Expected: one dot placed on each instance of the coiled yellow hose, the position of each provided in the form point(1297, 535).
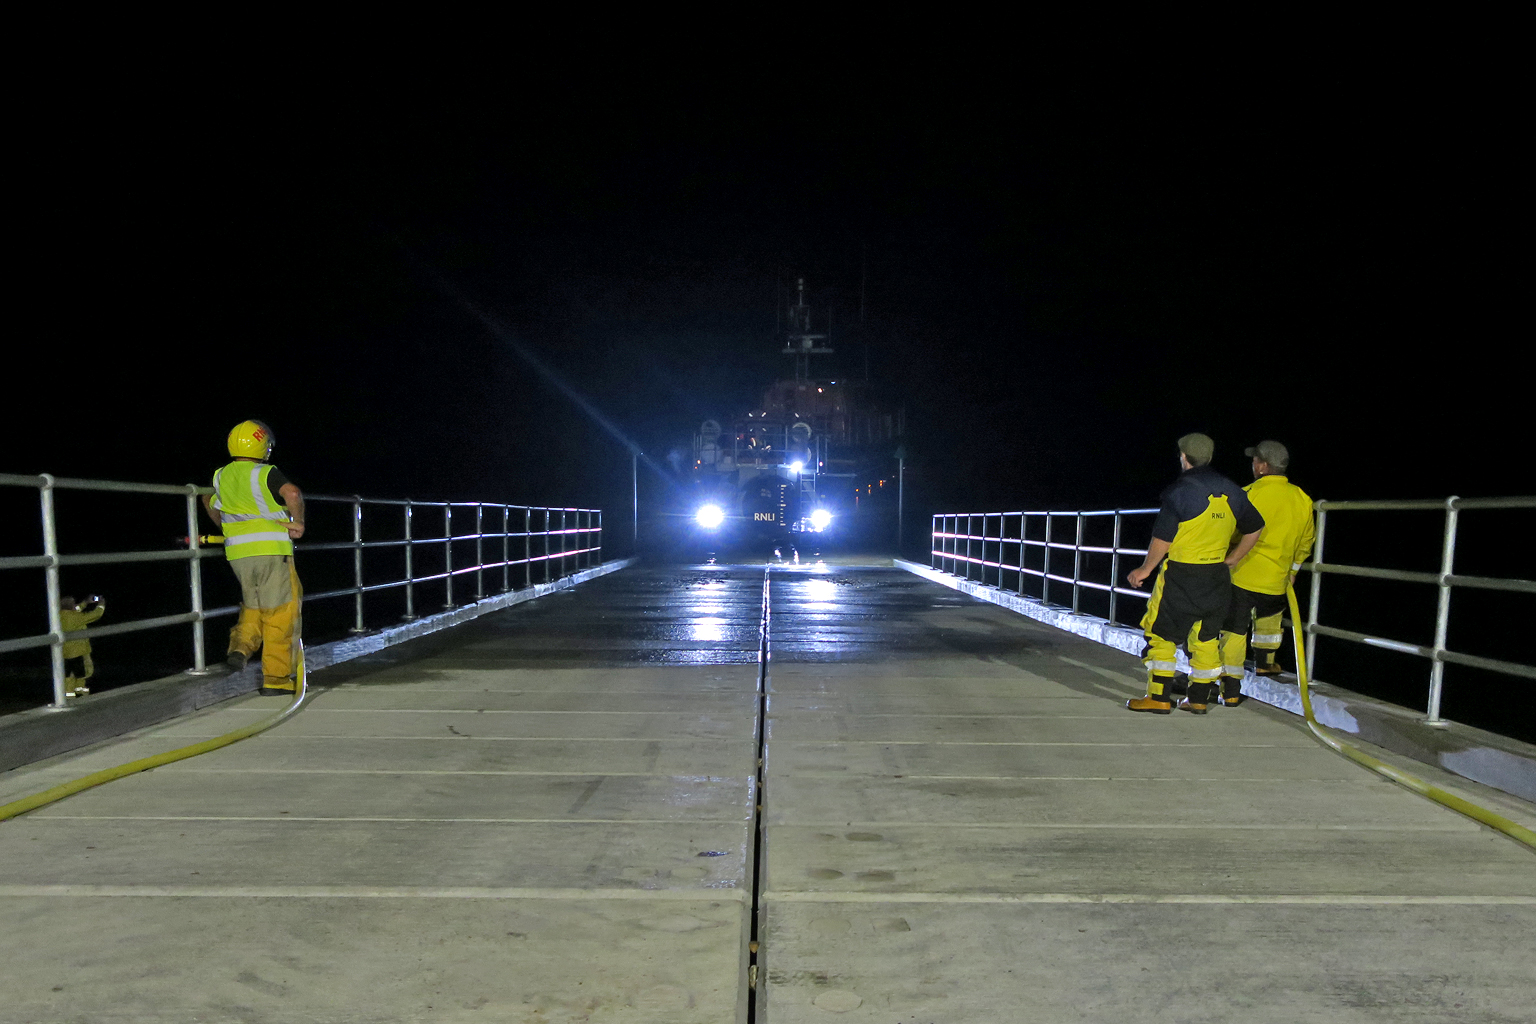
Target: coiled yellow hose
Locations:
point(1483, 815)
point(144, 764)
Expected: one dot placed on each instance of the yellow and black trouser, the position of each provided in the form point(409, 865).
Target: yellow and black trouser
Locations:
point(270, 620)
point(1187, 606)
point(78, 668)
point(1260, 611)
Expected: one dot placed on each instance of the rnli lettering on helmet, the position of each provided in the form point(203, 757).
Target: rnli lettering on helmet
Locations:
point(763, 517)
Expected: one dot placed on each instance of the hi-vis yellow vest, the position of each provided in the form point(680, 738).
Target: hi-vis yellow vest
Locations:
point(254, 522)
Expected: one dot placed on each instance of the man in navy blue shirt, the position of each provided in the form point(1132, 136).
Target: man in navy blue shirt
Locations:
point(1200, 512)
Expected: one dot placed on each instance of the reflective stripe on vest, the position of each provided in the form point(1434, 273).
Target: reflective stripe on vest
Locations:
point(256, 538)
point(247, 511)
point(230, 517)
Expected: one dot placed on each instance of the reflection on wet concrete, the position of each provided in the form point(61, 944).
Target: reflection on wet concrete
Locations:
point(851, 613)
point(692, 615)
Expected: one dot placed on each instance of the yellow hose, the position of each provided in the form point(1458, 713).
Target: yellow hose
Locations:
point(144, 764)
point(1483, 815)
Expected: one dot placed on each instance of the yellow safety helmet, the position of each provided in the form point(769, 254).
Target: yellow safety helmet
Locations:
point(251, 440)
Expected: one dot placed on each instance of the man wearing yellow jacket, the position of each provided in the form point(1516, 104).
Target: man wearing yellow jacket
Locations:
point(1260, 578)
point(261, 514)
point(78, 667)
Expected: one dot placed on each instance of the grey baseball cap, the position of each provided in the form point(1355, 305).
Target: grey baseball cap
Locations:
point(1199, 448)
point(1272, 452)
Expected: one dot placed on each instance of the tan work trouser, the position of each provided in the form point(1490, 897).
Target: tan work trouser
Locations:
point(270, 616)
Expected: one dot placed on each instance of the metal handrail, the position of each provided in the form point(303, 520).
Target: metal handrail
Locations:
point(947, 555)
point(570, 540)
point(948, 535)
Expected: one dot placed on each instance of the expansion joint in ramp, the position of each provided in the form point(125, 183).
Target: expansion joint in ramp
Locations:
point(755, 973)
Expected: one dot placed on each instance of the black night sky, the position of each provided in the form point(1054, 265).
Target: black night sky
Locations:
point(1057, 278)
point(1056, 285)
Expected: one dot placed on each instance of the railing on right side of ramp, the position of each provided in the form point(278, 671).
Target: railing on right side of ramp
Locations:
point(1006, 549)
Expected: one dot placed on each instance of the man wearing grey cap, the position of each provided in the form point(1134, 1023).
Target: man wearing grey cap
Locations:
point(1189, 602)
point(1260, 578)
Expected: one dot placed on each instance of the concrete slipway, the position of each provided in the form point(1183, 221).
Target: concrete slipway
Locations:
point(548, 815)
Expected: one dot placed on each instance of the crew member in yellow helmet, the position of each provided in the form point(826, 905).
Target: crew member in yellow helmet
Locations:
point(261, 513)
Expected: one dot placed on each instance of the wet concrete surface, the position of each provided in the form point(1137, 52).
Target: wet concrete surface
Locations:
point(964, 824)
point(547, 815)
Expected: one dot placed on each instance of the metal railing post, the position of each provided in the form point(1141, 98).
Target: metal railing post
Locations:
point(448, 554)
point(970, 531)
point(547, 552)
point(1045, 578)
point(1114, 567)
point(357, 563)
point(1023, 532)
point(410, 573)
point(1315, 597)
point(982, 567)
point(954, 545)
point(527, 547)
point(599, 552)
point(1442, 613)
point(565, 548)
point(1002, 546)
point(506, 555)
point(1002, 543)
point(479, 551)
point(51, 574)
point(1077, 563)
point(195, 582)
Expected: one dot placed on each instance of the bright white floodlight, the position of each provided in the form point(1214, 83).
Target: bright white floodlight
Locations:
point(821, 519)
point(797, 466)
point(709, 516)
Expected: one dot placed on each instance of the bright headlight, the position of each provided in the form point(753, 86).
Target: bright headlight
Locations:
point(821, 519)
point(709, 516)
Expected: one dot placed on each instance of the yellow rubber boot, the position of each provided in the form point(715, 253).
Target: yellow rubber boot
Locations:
point(1158, 700)
point(1268, 634)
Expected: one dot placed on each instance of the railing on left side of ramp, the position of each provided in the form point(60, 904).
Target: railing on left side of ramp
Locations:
point(514, 546)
